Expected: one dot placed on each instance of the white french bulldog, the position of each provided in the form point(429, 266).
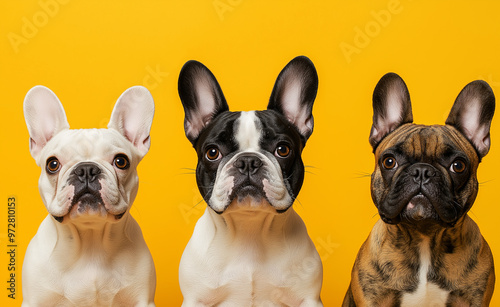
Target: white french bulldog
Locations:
point(250, 248)
point(89, 250)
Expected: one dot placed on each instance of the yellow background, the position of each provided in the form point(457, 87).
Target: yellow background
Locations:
point(89, 52)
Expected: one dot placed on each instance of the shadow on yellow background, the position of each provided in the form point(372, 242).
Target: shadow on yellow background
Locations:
point(89, 52)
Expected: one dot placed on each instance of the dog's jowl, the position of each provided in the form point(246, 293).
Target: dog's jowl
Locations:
point(89, 250)
point(425, 250)
point(250, 248)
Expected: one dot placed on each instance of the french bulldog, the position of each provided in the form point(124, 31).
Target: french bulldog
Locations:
point(250, 248)
point(89, 250)
point(425, 250)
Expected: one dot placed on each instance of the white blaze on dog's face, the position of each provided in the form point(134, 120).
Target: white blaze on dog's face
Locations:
point(251, 175)
point(249, 159)
point(88, 173)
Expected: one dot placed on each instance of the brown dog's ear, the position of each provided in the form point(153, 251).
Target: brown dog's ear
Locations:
point(391, 107)
point(471, 114)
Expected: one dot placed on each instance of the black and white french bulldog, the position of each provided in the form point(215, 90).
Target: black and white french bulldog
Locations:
point(425, 250)
point(250, 248)
point(89, 250)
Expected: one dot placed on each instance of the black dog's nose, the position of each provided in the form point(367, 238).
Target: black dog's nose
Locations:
point(248, 164)
point(422, 173)
point(87, 172)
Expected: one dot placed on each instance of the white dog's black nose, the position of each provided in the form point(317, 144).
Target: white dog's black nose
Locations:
point(248, 164)
point(87, 172)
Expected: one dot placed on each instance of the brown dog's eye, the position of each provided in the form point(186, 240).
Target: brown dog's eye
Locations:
point(53, 165)
point(213, 154)
point(282, 151)
point(389, 162)
point(458, 166)
point(121, 162)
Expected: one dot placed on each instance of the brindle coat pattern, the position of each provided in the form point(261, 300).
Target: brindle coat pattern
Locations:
point(388, 263)
point(387, 266)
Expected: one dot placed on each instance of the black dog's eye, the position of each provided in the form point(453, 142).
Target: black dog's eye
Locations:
point(458, 166)
point(53, 165)
point(121, 161)
point(389, 162)
point(282, 151)
point(213, 154)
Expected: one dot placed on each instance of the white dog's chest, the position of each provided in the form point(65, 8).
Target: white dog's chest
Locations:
point(92, 287)
point(87, 285)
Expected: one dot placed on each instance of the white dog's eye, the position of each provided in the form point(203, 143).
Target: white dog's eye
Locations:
point(53, 165)
point(121, 161)
point(282, 151)
point(213, 154)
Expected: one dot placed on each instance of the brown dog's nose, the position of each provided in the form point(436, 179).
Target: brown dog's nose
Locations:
point(422, 173)
point(248, 164)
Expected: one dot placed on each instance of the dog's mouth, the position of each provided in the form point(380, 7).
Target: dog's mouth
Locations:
point(246, 196)
point(245, 191)
point(60, 219)
point(419, 208)
point(87, 203)
point(422, 210)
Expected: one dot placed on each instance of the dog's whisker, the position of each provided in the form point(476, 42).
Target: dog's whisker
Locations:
point(310, 166)
point(202, 200)
point(363, 175)
point(485, 182)
point(297, 200)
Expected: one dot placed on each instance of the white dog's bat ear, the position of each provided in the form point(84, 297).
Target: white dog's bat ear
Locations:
point(294, 93)
point(391, 107)
point(45, 117)
point(133, 116)
point(201, 97)
point(472, 113)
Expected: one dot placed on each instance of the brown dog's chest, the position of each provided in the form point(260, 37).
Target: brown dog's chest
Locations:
point(397, 267)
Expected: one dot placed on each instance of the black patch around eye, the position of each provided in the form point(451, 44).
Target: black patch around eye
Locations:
point(219, 133)
point(283, 151)
point(212, 154)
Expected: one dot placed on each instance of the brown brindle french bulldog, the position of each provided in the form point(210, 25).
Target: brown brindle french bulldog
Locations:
point(425, 250)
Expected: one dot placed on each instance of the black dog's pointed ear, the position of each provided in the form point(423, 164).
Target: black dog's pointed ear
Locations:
point(472, 113)
point(294, 93)
point(201, 97)
point(391, 107)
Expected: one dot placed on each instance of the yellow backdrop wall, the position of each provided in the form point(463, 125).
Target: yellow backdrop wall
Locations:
point(89, 52)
